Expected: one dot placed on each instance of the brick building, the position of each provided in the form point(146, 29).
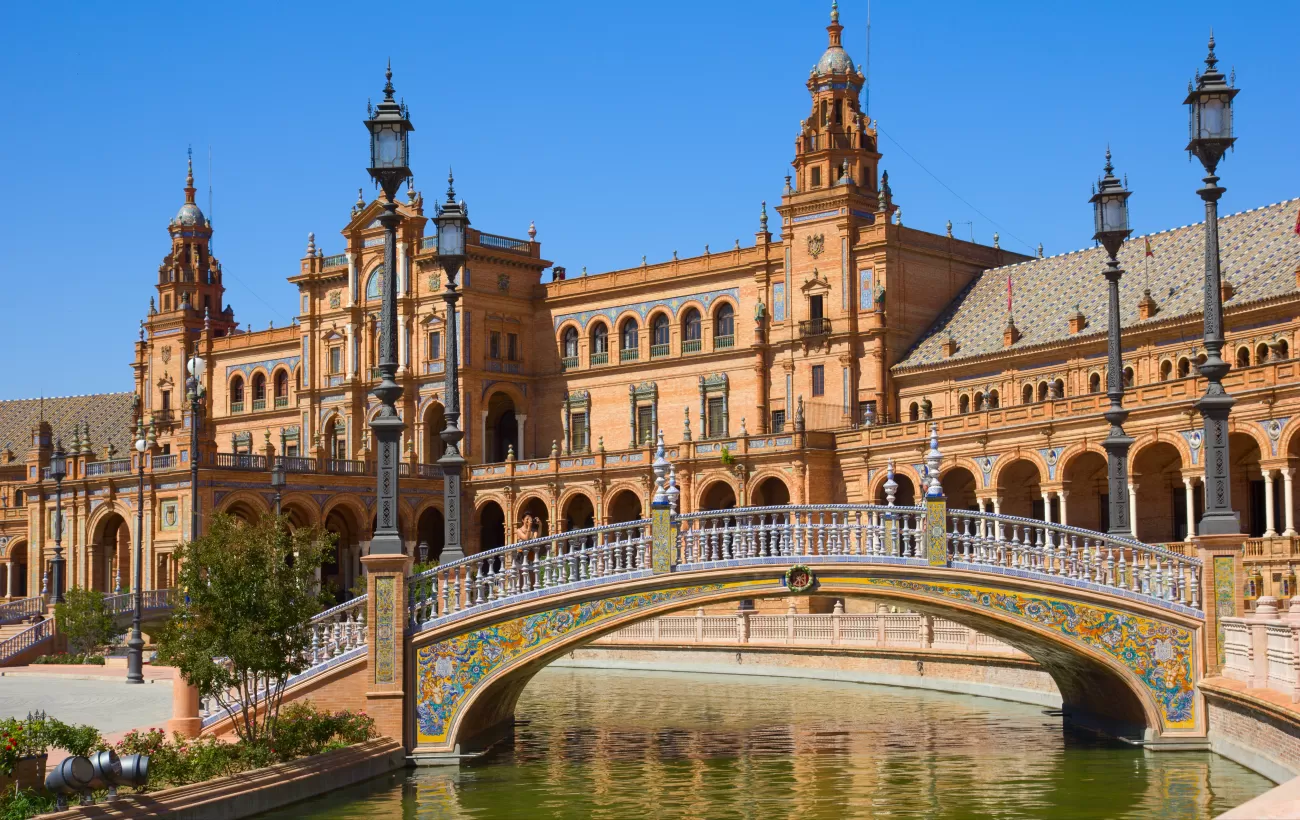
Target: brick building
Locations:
point(791, 370)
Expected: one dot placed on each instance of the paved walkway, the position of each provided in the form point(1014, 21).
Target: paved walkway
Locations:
point(96, 695)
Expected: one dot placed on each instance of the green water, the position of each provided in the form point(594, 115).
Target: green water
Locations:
point(632, 745)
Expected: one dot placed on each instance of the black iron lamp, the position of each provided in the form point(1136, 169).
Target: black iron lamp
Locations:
point(1110, 217)
point(452, 219)
point(58, 472)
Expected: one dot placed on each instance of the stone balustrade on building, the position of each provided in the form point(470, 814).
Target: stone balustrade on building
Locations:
point(1262, 650)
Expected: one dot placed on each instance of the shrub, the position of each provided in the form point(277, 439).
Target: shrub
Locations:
point(85, 620)
point(19, 805)
point(305, 730)
point(65, 658)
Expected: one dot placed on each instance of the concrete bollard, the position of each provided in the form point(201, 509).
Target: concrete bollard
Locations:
point(185, 718)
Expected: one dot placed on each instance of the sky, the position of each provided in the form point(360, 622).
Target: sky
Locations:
point(621, 129)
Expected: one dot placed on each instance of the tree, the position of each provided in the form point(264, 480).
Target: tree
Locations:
point(242, 625)
point(84, 620)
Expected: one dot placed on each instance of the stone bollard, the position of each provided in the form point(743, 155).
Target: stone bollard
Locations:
point(185, 719)
point(1265, 614)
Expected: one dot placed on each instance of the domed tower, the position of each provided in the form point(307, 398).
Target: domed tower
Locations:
point(836, 144)
point(189, 278)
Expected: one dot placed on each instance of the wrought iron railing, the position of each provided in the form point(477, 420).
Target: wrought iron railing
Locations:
point(110, 467)
point(428, 471)
point(814, 327)
point(692, 346)
point(659, 351)
point(239, 461)
point(613, 550)
point(600, 358)
point(150, 599)
point(281, 401)
point(338, 260)
point(259, 404)
point(22, 641)
point(724, 342)
point(629, 354)
point(166, 461)
point(429, 243)
point(297, 464)
point(345, 466)
point(505, 243)
point(569, 362)
point(15, 611)
point(236, 407)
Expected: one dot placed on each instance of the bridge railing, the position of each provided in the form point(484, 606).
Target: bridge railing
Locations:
point(124, 603)
point(1025, 544)
point(800, 531)
point(527, 566)
point(22, 641)
point(21, 609)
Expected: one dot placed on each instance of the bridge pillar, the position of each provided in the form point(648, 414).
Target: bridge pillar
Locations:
point(386, 641)
point(1222, 580)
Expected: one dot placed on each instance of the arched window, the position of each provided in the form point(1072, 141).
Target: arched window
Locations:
point(659, 335)
point(1261, 353)
point(372, 284)
point(237, 394)
point(979, 402)
point(724, 326)
point(1184, 368)
point(569, 346)
point(1281, 350)
point(1042, 391)
point(599, 339)
point(1094, 383)
point(1129, 377)
point(913, 412)
point(1057, 389)
point(691, 331)
point(1027, 394)
point(259, 391)
point(963, 404)
point(1243, 357)
point(281, 387)
point(629, 340)
point(994, 400)
point(1166, 370)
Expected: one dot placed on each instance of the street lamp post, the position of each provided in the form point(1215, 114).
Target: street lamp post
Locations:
point(1209, 107)
point(278, 482)
point(452, 219)
point(135, 646)
point(389, 166)
point(58, 472)
point(194, 391)
point(1110, 213)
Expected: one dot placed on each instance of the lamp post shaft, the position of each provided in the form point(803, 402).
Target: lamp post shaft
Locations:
point(452, 462)
point(196, 409)
point(135, 646)
point(387, 424)
point(1116, 443)
point(56, 563)
point(1216, 404)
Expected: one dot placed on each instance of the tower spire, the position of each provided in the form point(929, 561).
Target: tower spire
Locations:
point(189, 176)
point(835, 28)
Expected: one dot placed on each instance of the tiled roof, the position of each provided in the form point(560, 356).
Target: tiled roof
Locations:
point(1259, 252)
point(108, 414)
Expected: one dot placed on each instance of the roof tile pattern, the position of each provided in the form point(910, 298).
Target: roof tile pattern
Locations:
point(1259, 253)
point(108, 414)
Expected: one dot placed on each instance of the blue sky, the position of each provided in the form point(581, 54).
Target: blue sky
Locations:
point(622, 129)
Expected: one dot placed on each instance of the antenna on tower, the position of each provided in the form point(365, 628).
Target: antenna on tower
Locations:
point(209, 193)
point(866, 83)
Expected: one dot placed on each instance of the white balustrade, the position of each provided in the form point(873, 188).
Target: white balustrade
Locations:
point(24, 640)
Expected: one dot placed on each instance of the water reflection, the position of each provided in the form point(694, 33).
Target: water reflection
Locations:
point(604, 744)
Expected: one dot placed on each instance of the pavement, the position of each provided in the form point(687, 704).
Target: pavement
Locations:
point(97, 695)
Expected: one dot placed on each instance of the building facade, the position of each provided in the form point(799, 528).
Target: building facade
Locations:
point(799, 368)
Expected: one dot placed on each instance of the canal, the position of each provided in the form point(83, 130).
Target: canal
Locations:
point(638, 745)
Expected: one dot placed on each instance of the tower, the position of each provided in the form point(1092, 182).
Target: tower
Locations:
point(189, 278)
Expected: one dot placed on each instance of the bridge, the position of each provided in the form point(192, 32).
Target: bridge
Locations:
point(439, 658)
point(25, 634)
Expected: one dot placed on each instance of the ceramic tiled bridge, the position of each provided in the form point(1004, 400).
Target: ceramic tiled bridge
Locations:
point(1126, 629)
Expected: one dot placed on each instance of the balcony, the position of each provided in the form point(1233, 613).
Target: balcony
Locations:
point(692, 346)
point(569, 362)
point(236, 407)
point(600, 358)
point(296, 464)
point(659, 351)
point(814, 327)
point(434, 367)
point(345, 466)
point(240, 461)
point(724, 342)
point(630, 355)
point(338, 260)
point(281, 401)
point(164, 462)
point(428, 471)
point(117, 465)
point(505, 243)
point(259, 404)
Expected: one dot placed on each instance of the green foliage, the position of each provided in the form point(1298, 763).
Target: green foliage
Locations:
point(65, 658)
point(241, 624)
point(37, 734)
point(727, 458)
point(305, 730)
point(85, 621)
point(12, 741)
point(20, 805)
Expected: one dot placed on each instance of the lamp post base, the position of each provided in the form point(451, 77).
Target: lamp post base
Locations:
point(135, 658)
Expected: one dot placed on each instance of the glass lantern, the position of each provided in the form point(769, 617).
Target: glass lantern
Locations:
point(58, 463)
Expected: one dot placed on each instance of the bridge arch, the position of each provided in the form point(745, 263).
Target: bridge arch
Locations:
point(1126, 669)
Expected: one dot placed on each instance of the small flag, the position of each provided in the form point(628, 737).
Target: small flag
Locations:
point(1151, 253)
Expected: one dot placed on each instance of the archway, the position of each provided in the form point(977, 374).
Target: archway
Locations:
point(1019, 488)
point(491, 527)
point(959, 487)
point(16, 582)
point(904, 496)
point(435, 419)
point(1087, 500)
point(502, 428)
point(296, 514)
point(535, 514)
point(109, 555)
point(578, 513)
point(430, 535)
point(625, 506)
point(719, 495)
point(342, 568)
point(242, 510)
point(1160, 514)
point(770, 492)
point(1248, 483)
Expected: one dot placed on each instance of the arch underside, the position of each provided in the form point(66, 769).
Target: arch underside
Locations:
point(1126, 670)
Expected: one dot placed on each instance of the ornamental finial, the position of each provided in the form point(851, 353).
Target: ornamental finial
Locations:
point(762, 218)
point(1210, 59)
point(532, 231)
point(891, 486)
point(835, 12)
point(451, 186)
point(388, 80)
point(932, 461)
point(674, 493)
point(311, 244)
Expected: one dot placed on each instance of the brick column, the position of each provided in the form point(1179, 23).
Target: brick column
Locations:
point(1222, 579)
point(185, 709)
point(386, 642)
